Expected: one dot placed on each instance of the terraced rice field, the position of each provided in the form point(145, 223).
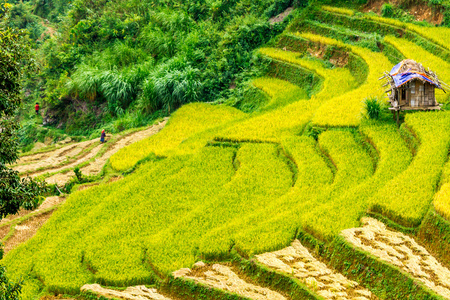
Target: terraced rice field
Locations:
point(401, 251)
point(273, 200)
point(48, 160)
point(16, 229)
point(96, 165)
point(87, 154)
point(297, 260)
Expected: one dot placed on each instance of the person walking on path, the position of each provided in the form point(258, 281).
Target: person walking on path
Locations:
point(36, 108)
point(102, 136)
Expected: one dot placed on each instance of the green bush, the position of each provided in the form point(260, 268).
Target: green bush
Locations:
point(9, 290)
point(372, 108)
point(387, 10)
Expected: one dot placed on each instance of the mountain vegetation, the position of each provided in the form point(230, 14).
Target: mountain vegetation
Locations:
point(278, 134)
point(15, 192)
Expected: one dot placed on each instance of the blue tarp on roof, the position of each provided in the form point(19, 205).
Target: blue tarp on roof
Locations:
point(396, 68)
point(402, 78)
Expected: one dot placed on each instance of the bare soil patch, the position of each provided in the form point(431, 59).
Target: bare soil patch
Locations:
point(26, 230)
point(19, 214)
point(296, 260)
point(4, 231)
point(52, 159)
point(95, 167)
point(139, 292)
point(54, 178)
point(401, 251)
point(420, 10)
point(280, 18)
point(223, 277)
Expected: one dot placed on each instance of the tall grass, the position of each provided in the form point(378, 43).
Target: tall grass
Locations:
point(372, 108)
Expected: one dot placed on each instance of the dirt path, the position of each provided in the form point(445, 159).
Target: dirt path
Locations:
point(139, 292)
point(49, 159)
point(96, 166)
point(48, 203)
point(280, 18)
point(297, 260)
point(71, 165)
point(28, 228)
point(222, 277)
point(402, 251)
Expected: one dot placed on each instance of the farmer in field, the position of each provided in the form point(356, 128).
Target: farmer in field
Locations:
point(36, 108)
point(102, 136)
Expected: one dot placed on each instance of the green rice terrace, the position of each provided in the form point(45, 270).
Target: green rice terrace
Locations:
point(305, 197)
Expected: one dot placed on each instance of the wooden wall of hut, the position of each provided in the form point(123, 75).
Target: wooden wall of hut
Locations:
point(422, 94)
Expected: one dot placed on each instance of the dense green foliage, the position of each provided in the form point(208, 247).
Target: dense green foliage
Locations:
point(14, 59)
point(8, 290)
point(103, 61)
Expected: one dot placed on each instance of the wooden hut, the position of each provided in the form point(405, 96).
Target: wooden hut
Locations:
point(411, 87)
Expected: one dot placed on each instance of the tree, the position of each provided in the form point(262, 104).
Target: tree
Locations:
point(14, 60)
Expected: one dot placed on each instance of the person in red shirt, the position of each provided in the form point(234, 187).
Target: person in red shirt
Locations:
point(102, 136)
point(36, 107)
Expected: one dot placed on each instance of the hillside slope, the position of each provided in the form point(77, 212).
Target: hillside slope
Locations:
point(221, 185)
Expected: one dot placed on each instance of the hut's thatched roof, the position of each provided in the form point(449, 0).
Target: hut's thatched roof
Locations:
point(408, 70)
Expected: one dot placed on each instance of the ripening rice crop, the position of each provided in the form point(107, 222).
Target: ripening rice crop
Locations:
point(407, 196)
point(389, 21)
point(339, 10)
point(185, 122)
point(438, 35)
point(345, 110)
point(263, 176)
point(313, 175)
point(346, 209)
point(442, 197)
point(270, 227)
point(442, 201)
point(169, 205)
point(281, 92)
point(336, 81)
point(104, 229)
point(319, 206)
point(428, 60)
point(291, 119)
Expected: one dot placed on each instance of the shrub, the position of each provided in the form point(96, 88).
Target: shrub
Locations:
point(9, 290)
point(372, 108)
point(387, 10)
point(176, 88)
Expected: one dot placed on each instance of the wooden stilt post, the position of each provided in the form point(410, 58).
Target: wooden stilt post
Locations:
point(398, 118)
